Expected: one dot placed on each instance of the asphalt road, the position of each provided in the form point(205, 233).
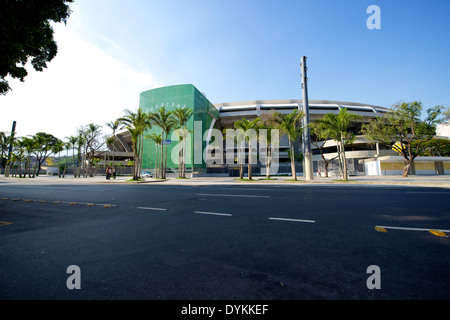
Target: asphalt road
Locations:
point(225, 242)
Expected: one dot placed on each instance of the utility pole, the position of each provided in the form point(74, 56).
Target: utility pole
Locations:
point(11, 141)
point(308, 166)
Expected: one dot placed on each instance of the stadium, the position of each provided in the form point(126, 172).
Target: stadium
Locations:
point(208, 118)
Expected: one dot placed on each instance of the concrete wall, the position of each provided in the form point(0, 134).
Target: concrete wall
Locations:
point(394, 166)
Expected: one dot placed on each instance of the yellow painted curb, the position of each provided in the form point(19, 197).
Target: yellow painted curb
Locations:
point(380, 229)
point(438, 233)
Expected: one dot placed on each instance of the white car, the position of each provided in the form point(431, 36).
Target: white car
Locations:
point(146, 174)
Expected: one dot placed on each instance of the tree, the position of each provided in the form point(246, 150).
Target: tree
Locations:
point(432, 148)
point(57, 148)
point(404, 125)
point(136, 123)
point(319, 136)
point(4, 144)
point(446, 114)
point(67, 145)
point(248, 129)
point(26, 32)
point(72, 141)
point(290, 124)
point(182, 116)
point(30, 146)
point(166, 121)
point(93, 142)
point(337, 127)
point(44, 143)
point(81, 141)
point(271, 140)
point(18, 155)
point(113, 126)
point(157, 138)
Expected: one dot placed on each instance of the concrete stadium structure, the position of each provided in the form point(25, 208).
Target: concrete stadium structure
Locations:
point(222, 116)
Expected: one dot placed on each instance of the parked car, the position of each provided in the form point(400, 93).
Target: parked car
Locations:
point(145, 174)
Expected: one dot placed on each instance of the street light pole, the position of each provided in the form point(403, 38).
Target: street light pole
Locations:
point(308, 168)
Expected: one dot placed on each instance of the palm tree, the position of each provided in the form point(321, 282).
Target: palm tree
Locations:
point(182, 116)
point(30, 147)
point(166, 121)
point(157, 138)
point(18, 154)
point(57, 148)
point(72, 141)
point(271, 138)
point(136, 123)
point(81, 140)
point(4, 142)
point(113, 126)
point(248, 128)
point(319, 137)
point(290, 124)
point(67, 146)
point(337, 126)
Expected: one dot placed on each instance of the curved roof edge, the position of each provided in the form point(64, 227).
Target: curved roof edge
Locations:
point(296, 101)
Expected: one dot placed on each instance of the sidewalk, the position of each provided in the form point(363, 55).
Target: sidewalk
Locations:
point(417, 180)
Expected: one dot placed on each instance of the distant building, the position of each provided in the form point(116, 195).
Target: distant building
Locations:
point(220, 116)
point(443, 130)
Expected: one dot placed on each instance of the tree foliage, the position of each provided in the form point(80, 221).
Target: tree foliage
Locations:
point(136, 123)
point(291, 125)
point(26, 32)
point(337, 127)
point(246, 132)
point(404, 125)
point(182, 117)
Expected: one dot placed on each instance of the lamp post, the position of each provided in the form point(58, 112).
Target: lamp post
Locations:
point(308, 167)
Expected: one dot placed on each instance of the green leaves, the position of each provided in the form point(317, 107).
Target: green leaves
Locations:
point(25, 33)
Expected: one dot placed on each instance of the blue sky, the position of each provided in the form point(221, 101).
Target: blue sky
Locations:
point(235, 50)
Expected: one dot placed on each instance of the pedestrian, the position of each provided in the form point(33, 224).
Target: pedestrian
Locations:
point(108, 173)
point(114, 173)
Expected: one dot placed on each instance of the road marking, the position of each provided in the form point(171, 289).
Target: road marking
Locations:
point(428, 192)
point(380, 229)
point(230, 195)
point(438, 233)
point(250, 189)
point(412, 229)
point(215, 213)
point(154, 209)
point(4, 223)
point(293, 220)
point(106, 205)
point(89, 204)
